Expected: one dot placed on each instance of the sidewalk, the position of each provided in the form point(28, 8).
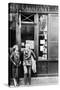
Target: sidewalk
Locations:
point(38, 81)
point(42, 81)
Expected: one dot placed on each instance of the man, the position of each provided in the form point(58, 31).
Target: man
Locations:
point(27, 64)
point(15, 59)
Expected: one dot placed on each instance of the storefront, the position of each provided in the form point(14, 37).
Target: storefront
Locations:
point(37, 26)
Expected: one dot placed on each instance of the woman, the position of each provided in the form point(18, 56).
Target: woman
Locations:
point(27, 64)
point(15, 59)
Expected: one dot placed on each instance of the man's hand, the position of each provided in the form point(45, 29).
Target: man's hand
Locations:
point(19, 62)
point(14, 63)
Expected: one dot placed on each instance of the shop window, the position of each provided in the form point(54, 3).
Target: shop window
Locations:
point(43, 37)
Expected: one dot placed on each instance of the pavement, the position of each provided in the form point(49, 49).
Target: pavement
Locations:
point(53, 80)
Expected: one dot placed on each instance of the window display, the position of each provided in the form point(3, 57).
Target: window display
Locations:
point(43, 37)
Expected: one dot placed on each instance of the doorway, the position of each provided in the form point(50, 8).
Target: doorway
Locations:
point(27, 37)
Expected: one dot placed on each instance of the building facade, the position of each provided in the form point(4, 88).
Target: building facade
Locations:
point(37, 26)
